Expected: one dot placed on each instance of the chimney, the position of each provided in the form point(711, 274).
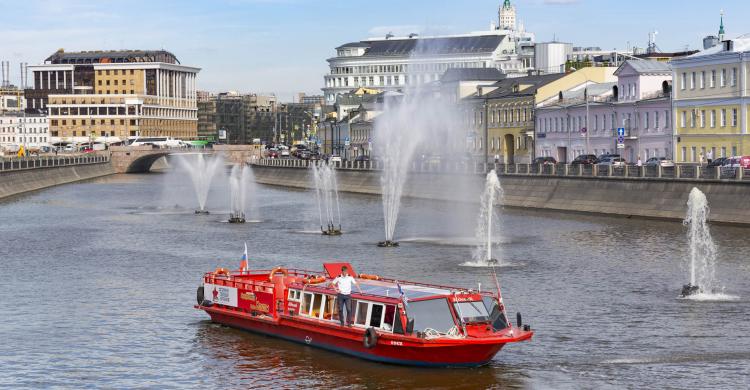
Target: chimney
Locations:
point(728, 45)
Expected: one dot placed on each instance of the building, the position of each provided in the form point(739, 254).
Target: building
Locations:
point(503, 115)
point(108, 96)
point(11, 99)
point(244, 118)
point(310, 99)
point(394, 63)
point(550, 57)
point(31, 130)
point(207, 130)
point(711, 102)
point(585, 120)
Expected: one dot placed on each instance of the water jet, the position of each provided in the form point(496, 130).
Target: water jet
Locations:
point(702, 247)
point(327, 195)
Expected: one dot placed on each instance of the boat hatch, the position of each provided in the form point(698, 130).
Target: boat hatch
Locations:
point(334, 269)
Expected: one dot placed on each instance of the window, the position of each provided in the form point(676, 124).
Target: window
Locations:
point(723, 151)
point(703, 118)
point(712, 80)
point(472, 311)
point(645, 121)
point(433, 313)
point(733, 80)
point(693, 114)
point(684, 154)
point(692, 80)
point(712, 121)
point(723, 78)
point(723, 117)
point(683, 81)
point(682, 119)
point(656, 120)
point(693, 154)
point(701, 80)
point(734, 117)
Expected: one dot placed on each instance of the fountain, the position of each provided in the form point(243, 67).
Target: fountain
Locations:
point(486, 221)
point(238, 187)
point(702, 248)
point(201, 171)
point(327, 194)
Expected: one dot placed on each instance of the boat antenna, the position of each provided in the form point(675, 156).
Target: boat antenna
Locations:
point(499, 295)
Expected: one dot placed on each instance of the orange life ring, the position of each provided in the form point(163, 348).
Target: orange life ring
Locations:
point(369, 277)
point(221, 271)
point(315, 279)
point(275, 271)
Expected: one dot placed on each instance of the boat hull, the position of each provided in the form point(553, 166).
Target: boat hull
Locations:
point(430, 353)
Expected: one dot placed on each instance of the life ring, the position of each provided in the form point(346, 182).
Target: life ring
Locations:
point(369, 277)
point(315, 279)
point(277, 270)
point(370, 338)
point(221, 271)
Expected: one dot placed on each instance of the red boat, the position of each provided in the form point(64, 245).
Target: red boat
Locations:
point(394, 321)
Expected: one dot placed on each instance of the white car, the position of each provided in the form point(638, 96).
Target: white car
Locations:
point(613, 161)
point(663, 161)
point(284, 153)
point(335, 159)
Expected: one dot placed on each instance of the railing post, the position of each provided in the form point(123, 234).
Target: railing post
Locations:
point(740, 173)
point(718, 172)
point(698, 172)
point(677, 171)
point(658, 170)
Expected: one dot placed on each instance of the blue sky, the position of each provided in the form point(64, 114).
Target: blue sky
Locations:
point(281, 46)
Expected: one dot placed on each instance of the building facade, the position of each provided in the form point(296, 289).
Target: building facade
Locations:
point(244, 117)
point(585, 121)
point(108, 96)
point(207, 130)
point(31, 130)
point(395, 63)
point(711, 102)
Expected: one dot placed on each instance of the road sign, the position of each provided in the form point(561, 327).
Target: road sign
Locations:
point(621, 131)
point(583, 130)
point(620, 146)
point(620, 139)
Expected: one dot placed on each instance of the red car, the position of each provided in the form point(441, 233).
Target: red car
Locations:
point(273, 153)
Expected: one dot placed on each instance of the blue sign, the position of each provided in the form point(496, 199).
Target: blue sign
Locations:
point(620, 139)
point(621, 131)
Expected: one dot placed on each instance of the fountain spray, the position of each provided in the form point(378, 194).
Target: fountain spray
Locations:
point(327, 195)
point(202, 171)
point(702, 247)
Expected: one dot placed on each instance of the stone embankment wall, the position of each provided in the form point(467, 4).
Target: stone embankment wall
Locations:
point(645, 198)
point(20, 181)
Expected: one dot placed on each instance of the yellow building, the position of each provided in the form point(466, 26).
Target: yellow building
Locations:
point(109, 96)
point(509, 106)
point(711, 102)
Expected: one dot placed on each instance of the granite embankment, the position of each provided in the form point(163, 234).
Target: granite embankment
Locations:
point(14, 182)
point(644, 198)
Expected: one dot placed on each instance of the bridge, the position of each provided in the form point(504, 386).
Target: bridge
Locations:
point(139, 159)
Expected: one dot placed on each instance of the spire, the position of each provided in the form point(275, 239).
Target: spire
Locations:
point(506, 4)
point(721, 27)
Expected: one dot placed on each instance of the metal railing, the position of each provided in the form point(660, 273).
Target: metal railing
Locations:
point(24, 163)
point(677, 172)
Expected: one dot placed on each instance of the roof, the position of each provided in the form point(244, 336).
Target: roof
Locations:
point(646, 66)
point(470, 74)
point(354, 44)
point(737, 45)
point(390, 289)
point(592, 90)
point(434, 46)
point(507, 87)
point(111, 56)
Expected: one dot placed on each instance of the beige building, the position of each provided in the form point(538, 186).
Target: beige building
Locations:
point(108, 96)
point(711, 102)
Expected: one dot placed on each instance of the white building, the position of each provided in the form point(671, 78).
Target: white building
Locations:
point(550, 57)
point(16, 130)
point(393, 63)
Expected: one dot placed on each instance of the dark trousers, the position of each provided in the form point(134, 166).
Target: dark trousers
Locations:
point(345, 300)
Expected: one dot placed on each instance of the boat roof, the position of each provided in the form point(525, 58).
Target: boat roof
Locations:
point(387, 289)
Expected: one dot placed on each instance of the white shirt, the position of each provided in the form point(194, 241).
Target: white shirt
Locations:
point(344, 283)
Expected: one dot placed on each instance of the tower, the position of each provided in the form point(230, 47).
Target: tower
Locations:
point(721, 27)
point(507, 16)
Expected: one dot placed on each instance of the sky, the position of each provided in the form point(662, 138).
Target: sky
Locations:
point(281, 46)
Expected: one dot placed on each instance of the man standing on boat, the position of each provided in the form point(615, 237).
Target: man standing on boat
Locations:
point(343, 285)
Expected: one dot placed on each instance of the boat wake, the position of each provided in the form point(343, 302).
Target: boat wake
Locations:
point(451, 241)
point(483, 264)
point(711, 297)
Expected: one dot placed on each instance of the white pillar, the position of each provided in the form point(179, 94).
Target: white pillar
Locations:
point(65, 79)
point(49, 80)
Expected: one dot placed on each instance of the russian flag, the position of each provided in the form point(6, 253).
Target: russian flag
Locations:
point(243, 263)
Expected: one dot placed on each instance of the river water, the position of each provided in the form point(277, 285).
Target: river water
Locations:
point(100, 282)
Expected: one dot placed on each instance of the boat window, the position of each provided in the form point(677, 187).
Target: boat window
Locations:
point(497, 317)
point(331, 311)
point(294, 295)
point(390, 315)
point(316, 305)
point(306, 303)
point(434, 314)
point(472, 311)
point(376, 315)
point(361, 318)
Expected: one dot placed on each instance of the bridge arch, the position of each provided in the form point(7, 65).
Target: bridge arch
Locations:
point(143, 164)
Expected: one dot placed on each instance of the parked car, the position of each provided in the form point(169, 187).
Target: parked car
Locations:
point(585, 159)
point(284, 153)
point(607, 155)
point(335, 159)
point(613, 161)
point(738, 162)
point(303, 154)
point(273, 153)
point(717, 162)
point(362, 157)
point(656, 161)
point(69, 148)
point(545, 161)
